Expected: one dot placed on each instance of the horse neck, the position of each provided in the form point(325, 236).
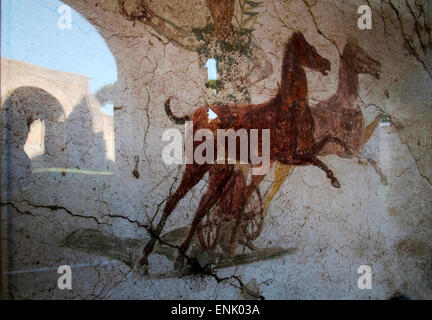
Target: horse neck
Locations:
point(293, 81)
point(348, 87)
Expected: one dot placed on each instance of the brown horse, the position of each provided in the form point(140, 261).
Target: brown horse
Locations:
point(340, 115)
point(291, 126)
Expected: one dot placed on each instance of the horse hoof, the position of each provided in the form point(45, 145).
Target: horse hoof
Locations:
point(143, 270)
point(179, 263)
point(335, 183)
point(143, 261)
point(384, 181)
point(350, 152)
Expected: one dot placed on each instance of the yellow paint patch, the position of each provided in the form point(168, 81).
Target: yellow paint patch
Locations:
point(282, 172)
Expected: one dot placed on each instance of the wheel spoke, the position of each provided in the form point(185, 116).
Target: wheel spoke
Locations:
point(253, 222)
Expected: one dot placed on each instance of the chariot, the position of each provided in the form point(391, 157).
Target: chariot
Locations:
point(248, 222)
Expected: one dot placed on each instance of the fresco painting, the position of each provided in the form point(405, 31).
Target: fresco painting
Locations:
point(348, 182)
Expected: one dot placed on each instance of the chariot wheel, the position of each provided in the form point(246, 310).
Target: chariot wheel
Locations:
point(208, 231)
point(253, 220)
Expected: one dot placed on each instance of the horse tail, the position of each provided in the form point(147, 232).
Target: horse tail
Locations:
point(172, 117)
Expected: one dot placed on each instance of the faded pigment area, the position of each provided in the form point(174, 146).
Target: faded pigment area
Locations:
point(350, 115)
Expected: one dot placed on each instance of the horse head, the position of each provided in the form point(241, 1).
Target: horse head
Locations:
point(359, 60)
point(307, 54)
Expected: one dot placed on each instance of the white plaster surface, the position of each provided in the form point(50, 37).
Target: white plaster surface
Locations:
point(334, 230)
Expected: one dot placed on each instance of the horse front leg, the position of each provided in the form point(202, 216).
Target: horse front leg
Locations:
point(332, 139)
point(237, 207)
point(334, 181)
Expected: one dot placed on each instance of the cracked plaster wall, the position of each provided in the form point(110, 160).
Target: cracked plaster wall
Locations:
point(334, 231)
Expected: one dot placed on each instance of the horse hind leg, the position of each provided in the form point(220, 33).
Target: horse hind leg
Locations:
point(379, 172)
point(218, 180)
point(191, 177)
point(237, 208)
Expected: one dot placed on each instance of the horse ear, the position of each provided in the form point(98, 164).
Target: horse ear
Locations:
point(351, 43)
point(298, 35)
